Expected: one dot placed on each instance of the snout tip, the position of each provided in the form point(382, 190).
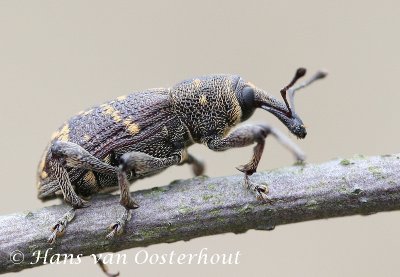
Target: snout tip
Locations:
point(301, 132)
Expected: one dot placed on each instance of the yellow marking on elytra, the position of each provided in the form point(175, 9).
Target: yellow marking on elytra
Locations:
point(121, 98)
point(62, 134)
point(196, 84)
point(43, 175)
point(86, 137)
point(131, 126)
point(107, 159)
point(90, 178)
point(203, 100)
point(109, 110)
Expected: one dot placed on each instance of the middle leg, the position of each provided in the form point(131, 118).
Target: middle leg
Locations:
point(197, 165)
point(140, 164)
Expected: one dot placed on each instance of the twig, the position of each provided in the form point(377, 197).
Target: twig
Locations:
point(205, 206)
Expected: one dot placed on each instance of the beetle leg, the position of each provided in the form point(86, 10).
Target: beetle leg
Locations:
point(197, 165)
point(247, 135)
point(61, 175)
point(76, 156)
point(68, 154)
point(118, 226)
point(59, 228)
point(127, 202)
point(48, 189)
point(140, 164)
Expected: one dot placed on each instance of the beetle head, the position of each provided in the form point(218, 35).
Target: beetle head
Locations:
point(251, 97)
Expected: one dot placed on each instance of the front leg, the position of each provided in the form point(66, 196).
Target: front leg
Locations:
point(247, 135)
point(140, 164)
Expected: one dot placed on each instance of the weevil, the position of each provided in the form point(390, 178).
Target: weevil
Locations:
point(110, 146)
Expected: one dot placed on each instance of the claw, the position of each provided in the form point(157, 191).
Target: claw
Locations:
point(52, 237)
point(261, 195)
point(117, 227)
point(58, 229)
point(131, 205)
point(116, 230)
point(246, 169)
point(262, 191)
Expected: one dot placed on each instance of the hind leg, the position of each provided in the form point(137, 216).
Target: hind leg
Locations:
point(70, 196)
point(197, 165)
point(67, 154)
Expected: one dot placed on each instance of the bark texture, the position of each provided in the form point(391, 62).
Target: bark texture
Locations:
point(202, 206)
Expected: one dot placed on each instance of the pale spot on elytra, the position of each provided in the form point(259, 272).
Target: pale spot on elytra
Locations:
point(196, 84)
point(62, 134)
point(109, 110)
point(131, 126)
point(203, 100)
point(120, 98)
point(86, 137)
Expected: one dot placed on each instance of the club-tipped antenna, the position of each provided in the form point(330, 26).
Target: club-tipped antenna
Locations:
point(300, 72)
point(292, 90)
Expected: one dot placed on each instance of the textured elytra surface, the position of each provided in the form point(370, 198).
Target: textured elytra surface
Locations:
point(157, 122)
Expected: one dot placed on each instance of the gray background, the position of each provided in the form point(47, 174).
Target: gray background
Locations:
point(59, 57)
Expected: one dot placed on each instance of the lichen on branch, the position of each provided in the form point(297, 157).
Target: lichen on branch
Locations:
point(202, 206)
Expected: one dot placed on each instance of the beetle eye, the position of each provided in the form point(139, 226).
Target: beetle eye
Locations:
point(247, 103)
point(247, 97)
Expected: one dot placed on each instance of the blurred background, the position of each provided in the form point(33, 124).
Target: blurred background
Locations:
point(59, 57)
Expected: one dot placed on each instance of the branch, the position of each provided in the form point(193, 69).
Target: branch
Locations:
point(203, 206)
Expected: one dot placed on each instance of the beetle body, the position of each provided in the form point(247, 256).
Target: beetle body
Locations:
point(158, 122)
point(135, 136)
